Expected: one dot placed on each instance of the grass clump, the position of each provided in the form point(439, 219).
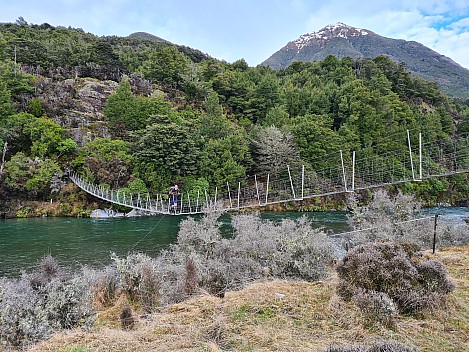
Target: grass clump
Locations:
point(126, 318)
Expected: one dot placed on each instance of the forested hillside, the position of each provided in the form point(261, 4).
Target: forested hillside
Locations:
point(140, 115)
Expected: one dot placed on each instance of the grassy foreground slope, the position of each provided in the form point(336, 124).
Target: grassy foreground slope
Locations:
point(277, 316)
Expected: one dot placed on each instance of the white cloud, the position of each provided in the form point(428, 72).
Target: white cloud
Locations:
point(461, 25)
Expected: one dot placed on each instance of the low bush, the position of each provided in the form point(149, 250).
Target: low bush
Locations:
point(23, 319)
point(377, 306)
point(452, 234)
point(395, 270)
point(203, 260)
point(397, 219)
point(289, 250)
point(36, 304)
point(140, 279)
point(103, 283)
point(386, 346)
point(387, 218)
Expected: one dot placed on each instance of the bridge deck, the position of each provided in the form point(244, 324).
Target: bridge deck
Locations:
point(352, 173)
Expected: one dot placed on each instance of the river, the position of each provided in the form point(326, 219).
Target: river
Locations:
point(84, 241)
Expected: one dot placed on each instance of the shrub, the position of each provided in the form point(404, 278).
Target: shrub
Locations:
point(387, 218)
point(49, 266)
point(376, 306)
point(386, 346)
point(103, 284)
point(391, 269)
point(47, 269)
point(169, 267)
point(199, 236)
point(34, 305)
point(68, 303)
point(290, 249)
point(203, 259)
point(346, 349)
point(149, 290)
point(23, 320)
point(391, 346)
point(139, 278)
point(452, 234)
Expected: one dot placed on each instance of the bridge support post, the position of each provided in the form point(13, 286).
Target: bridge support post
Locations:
point(302, 181)
point(267, 188)
point(257, 190)
point(239, 192)
point(420, 156)
point(344, 176)
point(291, 183)
point(344, 173)
point(410, 154)
point(216, 194)
point(455, 161)
point(229, 194)
point(182, 200)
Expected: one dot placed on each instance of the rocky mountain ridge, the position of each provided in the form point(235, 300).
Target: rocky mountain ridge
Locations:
point(339, 30)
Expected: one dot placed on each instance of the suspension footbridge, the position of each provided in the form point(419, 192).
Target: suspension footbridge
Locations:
point(413, 160)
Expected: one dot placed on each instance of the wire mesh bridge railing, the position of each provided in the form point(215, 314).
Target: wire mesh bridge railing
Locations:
point(413, 160)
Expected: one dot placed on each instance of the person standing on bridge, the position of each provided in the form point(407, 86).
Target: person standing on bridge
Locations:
point(173, 197)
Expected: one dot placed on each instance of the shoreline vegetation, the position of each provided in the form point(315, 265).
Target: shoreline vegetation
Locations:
point(273, 286)
point(278, 315)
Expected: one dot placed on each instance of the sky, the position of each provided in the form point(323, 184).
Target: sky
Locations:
point(255, 29)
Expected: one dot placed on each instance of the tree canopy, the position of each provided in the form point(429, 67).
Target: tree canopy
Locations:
point(178, 115)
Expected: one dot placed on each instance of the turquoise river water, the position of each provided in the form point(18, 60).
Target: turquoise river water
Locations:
point(84, 241)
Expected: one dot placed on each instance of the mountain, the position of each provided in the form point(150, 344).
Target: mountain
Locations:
point(147, 36)
point(342, 40)
point(194, 54)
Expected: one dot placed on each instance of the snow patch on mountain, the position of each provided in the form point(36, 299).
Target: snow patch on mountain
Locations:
point(338, 30)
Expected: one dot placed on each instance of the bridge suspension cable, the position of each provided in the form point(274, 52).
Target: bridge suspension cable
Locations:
point(413, 160)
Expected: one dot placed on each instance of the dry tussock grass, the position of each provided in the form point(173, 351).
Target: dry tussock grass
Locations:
point(277, 316)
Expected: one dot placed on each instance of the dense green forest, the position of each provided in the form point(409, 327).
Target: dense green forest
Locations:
point(170, 113)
